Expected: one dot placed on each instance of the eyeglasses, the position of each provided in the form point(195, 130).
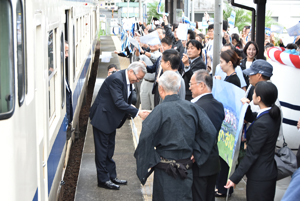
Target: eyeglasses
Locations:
point(138, 79)
point(190, 84)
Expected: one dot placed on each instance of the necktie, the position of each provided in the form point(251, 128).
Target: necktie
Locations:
point(130, 90)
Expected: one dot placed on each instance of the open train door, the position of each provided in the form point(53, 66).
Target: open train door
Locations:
point(41, 112)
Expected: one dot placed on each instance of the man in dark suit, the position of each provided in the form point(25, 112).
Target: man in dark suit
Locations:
point(205, 176)
point(192, 62)
point(109, 111)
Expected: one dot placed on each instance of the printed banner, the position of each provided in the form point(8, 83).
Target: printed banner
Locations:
point(229, 136)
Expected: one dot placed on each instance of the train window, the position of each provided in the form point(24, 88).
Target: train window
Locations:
point(20, 54)
point(6, 61)
point(63, 46)
point(52, 71)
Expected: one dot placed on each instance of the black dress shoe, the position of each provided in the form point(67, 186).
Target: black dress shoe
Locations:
point(119, 181)
point(109, 185)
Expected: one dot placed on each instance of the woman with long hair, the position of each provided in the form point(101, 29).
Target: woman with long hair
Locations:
point(258, 163)
point(251, 51)
point(228, 62)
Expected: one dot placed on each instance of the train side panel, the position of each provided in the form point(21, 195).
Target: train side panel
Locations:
point(33, 146)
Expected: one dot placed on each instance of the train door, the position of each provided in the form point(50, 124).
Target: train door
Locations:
point(41, 110)
point(68, 46)
point(67, 68)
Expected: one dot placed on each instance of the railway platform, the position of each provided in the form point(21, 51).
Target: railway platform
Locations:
point(87, 189)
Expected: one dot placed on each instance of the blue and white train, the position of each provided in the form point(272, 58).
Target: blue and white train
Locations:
point(33, 77)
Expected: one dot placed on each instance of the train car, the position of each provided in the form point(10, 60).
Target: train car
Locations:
point(33, 77)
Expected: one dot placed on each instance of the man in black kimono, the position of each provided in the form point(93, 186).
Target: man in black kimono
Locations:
point(175, 132)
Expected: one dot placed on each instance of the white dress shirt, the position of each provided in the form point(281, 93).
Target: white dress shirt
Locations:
point(194, 100)
point(128, 84)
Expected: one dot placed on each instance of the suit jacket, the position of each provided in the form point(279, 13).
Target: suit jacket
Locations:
point(215, 112)
point(111, 105)
point(196, 65)
point(258, 163)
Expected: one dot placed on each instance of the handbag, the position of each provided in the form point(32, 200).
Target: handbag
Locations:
point(286, 161)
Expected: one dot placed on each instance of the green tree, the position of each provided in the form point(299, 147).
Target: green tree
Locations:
point(152, 12)
point(244, 17)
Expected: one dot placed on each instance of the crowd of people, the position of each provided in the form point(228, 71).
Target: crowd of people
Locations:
point(179, 137)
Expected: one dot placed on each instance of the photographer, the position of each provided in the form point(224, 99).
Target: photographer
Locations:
point(112, 68)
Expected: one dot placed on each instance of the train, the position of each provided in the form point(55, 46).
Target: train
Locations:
point(34, 74)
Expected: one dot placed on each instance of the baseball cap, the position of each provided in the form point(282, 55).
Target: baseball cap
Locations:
point(260, 66)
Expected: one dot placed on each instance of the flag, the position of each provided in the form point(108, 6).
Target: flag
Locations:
point(276, 29)
point(231, 19)
point(158, 9)
point(151, 39)
point(185, 20)
point(132, 29)
point(135, 43)
point(295, 30)
point(267, 31)
point(182, 31)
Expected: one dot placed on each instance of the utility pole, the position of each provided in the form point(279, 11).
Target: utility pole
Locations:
point(218, 28)
point(140, 11)
point(193, 11)
point(186, 8)
point(128, 9)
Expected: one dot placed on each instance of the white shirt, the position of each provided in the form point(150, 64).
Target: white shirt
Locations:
point(194, 100)
point(248, 64)
point(128, 88)
point(262, 110)
point(128, 84)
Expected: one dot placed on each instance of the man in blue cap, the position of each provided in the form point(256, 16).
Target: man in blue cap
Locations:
point(260, 70)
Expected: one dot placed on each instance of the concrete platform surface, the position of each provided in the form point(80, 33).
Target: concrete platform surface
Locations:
point(87, 189)
point(126, 143)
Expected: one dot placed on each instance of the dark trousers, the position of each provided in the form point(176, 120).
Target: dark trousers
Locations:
point(156, 95)
point(260, 190)
point(204, 188)
point(222, 178)
point(104, 151)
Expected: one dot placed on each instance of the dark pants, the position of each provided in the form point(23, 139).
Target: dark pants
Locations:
point(156, 95)
point(204, 188)
point(260, 190)
point(222, 178)
point(104, 151)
